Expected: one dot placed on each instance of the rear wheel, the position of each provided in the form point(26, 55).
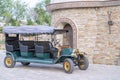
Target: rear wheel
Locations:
point(68, 65)
point(83, 63)
point(9, 62)
point(25, 63)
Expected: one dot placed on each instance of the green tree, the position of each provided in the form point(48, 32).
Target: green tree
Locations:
point(13, 11)
point(30, 22)
point(5, 6)
point(41, 16)
point(1, 29)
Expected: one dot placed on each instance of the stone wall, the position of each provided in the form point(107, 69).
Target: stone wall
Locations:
point(108, 45)
point(93, 32)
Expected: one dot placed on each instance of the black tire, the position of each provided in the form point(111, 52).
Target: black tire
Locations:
point(25, 63)
point(9, 62)
point(68, 65)
point(83, 63)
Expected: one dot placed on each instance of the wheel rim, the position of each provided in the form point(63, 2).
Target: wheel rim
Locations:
point(8, 61)
point(82, 65)
point(67, 66)
point(81, 60)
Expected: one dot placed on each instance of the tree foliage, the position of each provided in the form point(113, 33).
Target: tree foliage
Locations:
point(5, 6)
point(30, 22)
point(41, 16)
point(1, 29)
point(13, 11)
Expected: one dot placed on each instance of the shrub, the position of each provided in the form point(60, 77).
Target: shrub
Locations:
point(1, 28)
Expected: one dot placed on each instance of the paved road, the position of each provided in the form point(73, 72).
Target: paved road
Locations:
point(55, 72)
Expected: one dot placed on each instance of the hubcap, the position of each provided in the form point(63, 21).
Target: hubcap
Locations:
point(81, 60)
point(82, 65)
point(67, 66)
point(8, 61)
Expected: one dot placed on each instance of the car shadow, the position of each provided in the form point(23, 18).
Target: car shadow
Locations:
point(47, 67)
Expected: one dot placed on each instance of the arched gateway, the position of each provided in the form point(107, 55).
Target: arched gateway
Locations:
point(69, 25)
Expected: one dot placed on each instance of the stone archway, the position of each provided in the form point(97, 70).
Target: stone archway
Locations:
point(65, 21)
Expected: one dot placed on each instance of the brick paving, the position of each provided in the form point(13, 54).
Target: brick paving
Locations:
point(56, 72)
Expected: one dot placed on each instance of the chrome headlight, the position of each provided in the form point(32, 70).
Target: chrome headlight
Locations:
point(76, 52)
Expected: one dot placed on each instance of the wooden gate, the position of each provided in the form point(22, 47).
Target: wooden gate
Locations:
point(68, 37)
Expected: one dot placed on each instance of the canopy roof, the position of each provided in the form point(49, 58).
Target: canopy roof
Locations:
point(28, 29)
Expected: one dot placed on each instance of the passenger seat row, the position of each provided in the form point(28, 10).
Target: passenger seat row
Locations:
point(32, 47)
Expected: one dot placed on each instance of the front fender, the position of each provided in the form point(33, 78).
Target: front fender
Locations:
point(63, 57)
point(11, 54)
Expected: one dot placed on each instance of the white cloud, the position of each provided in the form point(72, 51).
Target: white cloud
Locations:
point(31, 3)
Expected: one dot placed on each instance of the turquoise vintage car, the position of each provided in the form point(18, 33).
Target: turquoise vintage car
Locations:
point(35, 51)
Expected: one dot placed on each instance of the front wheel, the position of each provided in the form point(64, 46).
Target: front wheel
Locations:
point(25, 63)
point(9, 62)
point(83, 63)
point(68, 65)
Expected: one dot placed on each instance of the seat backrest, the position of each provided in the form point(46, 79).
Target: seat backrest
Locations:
point(39, 49)
point(46, 44)
point(9, 47)
point(12, 45)
point(23, 48)
point(30, 44)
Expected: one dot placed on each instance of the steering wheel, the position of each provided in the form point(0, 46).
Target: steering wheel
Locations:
point(57, 41)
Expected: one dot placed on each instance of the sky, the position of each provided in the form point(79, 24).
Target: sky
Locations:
point(31, 3)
